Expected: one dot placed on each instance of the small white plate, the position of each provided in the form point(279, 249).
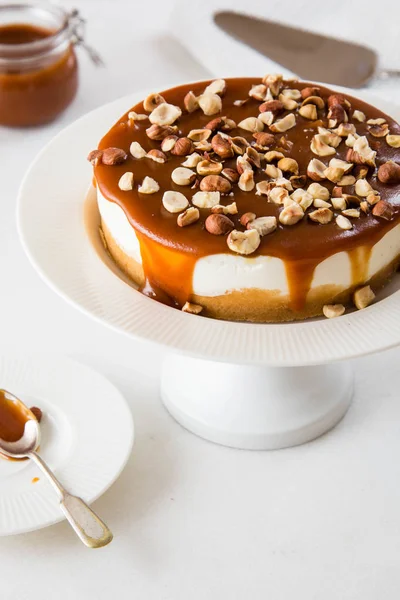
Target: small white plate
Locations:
point(87, 437)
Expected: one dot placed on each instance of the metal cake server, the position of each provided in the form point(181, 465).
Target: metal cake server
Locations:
point(309, 55)
point(86, 524)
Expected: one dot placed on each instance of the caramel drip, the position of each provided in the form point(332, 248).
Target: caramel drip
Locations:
point(168, 272)
point(169, 252)
point(299, 277)
point(359, 263)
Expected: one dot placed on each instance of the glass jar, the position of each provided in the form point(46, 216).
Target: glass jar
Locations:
point(38, 64)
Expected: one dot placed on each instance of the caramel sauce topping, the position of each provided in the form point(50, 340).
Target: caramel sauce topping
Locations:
point(170, 252)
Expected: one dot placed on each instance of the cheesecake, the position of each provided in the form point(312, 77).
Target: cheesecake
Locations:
point(261, 200)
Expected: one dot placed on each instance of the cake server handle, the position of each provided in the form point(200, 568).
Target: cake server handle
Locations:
point(387, 74)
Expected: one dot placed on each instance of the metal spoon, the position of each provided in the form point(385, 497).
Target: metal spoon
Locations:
point(86, 524)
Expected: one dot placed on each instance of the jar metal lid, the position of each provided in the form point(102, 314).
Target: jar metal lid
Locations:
point(77, 24)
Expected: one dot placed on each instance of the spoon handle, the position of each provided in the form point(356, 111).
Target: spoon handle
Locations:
point(92, 531)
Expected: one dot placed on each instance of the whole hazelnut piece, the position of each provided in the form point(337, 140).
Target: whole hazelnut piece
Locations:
point(389, 172)
point(183, 147)
point(218, 224)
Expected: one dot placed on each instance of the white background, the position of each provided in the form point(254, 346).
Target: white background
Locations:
point(194, 521)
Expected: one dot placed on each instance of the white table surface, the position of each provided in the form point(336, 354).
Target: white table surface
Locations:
point(192, 520)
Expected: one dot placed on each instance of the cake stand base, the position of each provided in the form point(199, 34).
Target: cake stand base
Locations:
point(255, 408)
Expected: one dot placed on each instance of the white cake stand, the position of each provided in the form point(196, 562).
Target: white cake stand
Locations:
point(243, 385)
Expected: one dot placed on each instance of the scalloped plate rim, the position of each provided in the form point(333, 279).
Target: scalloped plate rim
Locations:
point(44, 361)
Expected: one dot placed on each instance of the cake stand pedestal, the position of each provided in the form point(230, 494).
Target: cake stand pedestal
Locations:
point(252, 407)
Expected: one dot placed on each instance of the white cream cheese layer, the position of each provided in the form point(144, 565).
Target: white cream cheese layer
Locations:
point(219, 274)
point(119, 227)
